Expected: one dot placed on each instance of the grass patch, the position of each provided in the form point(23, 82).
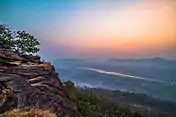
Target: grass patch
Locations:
point(28, 113)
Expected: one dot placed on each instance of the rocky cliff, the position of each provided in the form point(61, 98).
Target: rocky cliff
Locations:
point(26, 82)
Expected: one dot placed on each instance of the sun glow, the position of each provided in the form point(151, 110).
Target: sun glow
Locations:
point(113, 28)
point(140, 27)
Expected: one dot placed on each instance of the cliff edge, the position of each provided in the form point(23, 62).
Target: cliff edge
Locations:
point(26, 82)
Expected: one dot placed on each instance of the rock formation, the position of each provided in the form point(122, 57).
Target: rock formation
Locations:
point(26, 82)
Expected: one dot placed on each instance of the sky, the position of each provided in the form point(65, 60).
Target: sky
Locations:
point(96, 28)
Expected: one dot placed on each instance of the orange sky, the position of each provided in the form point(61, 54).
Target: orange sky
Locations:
point(141, 27)
point(146, 27)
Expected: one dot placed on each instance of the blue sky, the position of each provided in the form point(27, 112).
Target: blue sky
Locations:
point(64, 27)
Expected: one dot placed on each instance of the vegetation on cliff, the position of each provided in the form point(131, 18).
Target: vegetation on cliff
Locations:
point(94, 105)
point(95, 102)
point(18, 41)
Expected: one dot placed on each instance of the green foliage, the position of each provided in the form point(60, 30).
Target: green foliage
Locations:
point(6, 37)
point(70, 89)
point(84, 107)
point(18, 41)
point(26, 43)
point(90, 104)
point(68, 84)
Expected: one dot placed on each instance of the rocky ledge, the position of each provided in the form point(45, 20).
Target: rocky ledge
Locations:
point(26, 82)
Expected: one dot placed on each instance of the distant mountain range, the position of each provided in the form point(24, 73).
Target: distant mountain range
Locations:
point(156, 59)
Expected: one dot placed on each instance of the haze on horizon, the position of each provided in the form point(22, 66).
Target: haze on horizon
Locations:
point(96, 28)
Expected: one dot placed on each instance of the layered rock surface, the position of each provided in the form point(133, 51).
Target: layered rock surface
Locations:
point(26, 82)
